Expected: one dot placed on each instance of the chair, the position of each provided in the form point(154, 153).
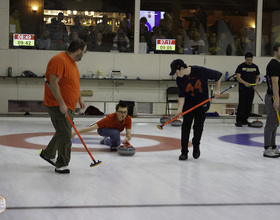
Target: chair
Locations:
point(171, 98)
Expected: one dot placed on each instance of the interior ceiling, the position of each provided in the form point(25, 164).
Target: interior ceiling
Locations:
point(159, 5)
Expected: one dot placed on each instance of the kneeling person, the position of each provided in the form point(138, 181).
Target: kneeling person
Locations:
point(111, 126)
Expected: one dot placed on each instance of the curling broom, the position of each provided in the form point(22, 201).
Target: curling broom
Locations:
point(194, 107)
point(69, 119)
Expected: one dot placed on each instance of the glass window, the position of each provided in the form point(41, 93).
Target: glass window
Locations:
point(105, 25)
point(206, 27)
point(270, 27)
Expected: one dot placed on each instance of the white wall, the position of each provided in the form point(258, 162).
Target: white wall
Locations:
point(145, 66)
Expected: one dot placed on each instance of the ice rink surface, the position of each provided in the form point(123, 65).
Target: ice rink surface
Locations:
point(230, 181)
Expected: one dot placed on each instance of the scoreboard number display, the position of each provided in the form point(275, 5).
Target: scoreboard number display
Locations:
point(24, 40)
point(165, 44)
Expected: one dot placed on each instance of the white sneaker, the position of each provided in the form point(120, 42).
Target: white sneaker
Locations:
point(276, 150)
point(270, 153)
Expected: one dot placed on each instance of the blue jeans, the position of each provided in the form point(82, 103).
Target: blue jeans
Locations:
point(114, 134)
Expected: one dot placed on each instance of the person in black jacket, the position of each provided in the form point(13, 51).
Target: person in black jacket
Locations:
point(192, 82)
point(247, 73)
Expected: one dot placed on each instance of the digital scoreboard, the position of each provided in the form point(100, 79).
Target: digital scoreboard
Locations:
point(165, 44)
point(24, 40)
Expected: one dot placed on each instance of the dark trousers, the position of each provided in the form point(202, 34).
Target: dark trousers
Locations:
point(198, 117)
point(246, 97)
point(271, 123)
point(61, 141)
point(113, 133)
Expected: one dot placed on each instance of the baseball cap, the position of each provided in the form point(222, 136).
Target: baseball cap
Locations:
point(176, 65)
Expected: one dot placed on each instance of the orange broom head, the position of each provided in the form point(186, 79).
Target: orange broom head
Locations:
point(95, 163)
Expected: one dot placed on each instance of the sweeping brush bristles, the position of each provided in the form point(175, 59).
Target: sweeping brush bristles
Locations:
point(96, 163)
point(159, 127)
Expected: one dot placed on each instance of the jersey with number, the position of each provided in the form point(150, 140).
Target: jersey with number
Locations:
point(272, 69)
point(194, 87)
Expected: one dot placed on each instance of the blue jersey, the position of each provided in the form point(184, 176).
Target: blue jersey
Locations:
point(194, 87)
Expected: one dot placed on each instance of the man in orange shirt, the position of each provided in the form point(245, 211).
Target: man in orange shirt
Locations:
point(61, 99)
point(111, 126)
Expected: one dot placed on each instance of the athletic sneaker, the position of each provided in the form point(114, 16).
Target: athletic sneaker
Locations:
point(62, 170)
point(183, 157)
point(51, 161)
point(276, 149)
point(103, 141)
point(270, 153)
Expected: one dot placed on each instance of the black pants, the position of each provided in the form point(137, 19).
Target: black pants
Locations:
point(246, 97)
point(198, 116)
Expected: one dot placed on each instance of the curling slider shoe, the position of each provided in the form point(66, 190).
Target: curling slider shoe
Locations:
point(160, 127)
point(95, 163)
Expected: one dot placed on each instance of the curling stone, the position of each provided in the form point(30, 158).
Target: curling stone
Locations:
point(256, 124)
point(164, 119)
point(176, 123)
point(126, 150)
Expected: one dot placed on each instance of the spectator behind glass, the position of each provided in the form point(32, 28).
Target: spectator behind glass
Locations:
point(58, 34)
point(157, 35)
point(180, 41)
point(44, 42)
point(98, 44)
point(213, 48)
point(124, 26)
point(91, 37)
point(107, 36)
point(225, 48)
point(104, 24)
point(77, 27)
point(196, 43)
point(121, 44)
point(200, 17)
point(145, 34)
point(225, 39)
point(14, 24)
point(276, 32)
point(121, 33)
point(238, 47)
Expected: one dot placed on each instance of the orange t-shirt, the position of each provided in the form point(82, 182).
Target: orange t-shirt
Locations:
point(69, 81)
point(111, 121)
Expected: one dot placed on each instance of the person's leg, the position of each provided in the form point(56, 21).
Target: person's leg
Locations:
point(198, 126)
point(271, 122)
point(248, 105)
point(114, 134)
point(241, 107)
point(185, 132)
point(61, 141)
point(270, 129)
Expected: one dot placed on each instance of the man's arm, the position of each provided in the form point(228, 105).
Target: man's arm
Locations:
point(56, 93)
point(81, 102)
point(217, 88)
point(275, 90)
point(181, 102)
point(87, 129)
point(239, 79)
point(128, 135)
